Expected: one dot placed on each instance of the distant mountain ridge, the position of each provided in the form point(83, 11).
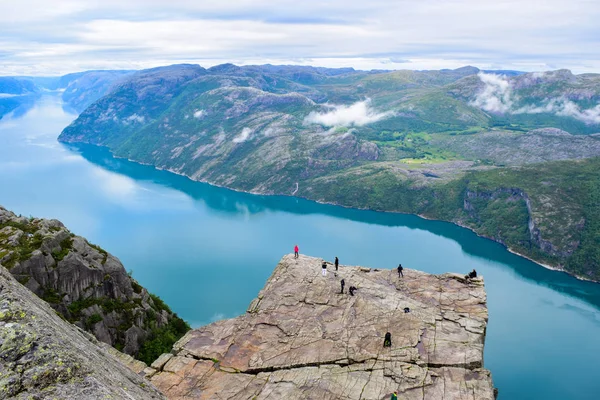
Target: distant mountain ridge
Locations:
point(79, 90)
point(460, 145)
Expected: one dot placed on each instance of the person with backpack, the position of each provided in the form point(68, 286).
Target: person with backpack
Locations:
point(400, 269)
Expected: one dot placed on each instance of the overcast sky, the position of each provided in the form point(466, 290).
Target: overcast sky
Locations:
point(41, 37)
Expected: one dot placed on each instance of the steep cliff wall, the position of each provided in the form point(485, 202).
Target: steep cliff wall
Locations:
point(86, 285)
point(303, 339)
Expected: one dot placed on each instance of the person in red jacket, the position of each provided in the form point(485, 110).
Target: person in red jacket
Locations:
point(296, 251)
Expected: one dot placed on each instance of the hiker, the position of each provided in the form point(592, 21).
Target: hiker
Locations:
point(471, 275)
point(400, 270)
point(351, 290)
point(387, 342)
point(296, 251)
point(337, 263)
point(324, 268)
point(343, 283)
point(394, 395)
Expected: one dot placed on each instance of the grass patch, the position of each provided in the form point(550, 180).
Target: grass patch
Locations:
point(65, 247)
point(161, 340)
point(92, 320)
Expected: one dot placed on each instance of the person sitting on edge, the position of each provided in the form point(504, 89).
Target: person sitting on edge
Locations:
point(387, 342)
point(296, 251)
point(400, 270)
point(337, 263)
point(471, 275)
point(351, 290)
point(324, 268)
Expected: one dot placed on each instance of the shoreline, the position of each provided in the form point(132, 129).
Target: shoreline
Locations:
point(293, 195)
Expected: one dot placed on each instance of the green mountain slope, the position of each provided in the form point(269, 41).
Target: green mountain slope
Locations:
point(460, 145)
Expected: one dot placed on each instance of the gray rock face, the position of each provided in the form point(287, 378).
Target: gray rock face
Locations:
point(45, 357)
point(85, 284)
point(303, 339)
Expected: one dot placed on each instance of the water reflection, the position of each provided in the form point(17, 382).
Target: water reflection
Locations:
point(230, 202)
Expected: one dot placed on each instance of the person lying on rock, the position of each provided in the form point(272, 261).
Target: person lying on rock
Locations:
point(343, 283)
point(351, 290)
point(387, 341)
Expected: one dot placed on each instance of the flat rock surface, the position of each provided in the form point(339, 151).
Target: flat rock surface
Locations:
point(303, 339)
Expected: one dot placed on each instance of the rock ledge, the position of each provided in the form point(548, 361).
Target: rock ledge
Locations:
point(302, 339)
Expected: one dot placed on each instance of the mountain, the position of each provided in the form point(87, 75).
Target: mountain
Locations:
point(83, 88)
point(87, 286)
point(511, 156)
point(79, 90)
point(16, 92)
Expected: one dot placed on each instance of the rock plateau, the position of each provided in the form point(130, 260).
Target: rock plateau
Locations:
point(302, 339)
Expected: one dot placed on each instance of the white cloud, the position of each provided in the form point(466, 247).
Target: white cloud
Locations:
point(73, 35)
point(135, 118)
point(199, 114)
point(243, 136)
point(565, 108)
point(357, 114)
point(497, 96)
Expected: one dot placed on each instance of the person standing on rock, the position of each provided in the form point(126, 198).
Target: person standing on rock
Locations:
point(324, 268)
point(337, 263)
point(296, 251)
point(343, 283)
point(400, 269)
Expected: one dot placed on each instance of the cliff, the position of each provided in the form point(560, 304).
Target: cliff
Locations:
point(44, 357)
point(302, 338)
point(87, 286)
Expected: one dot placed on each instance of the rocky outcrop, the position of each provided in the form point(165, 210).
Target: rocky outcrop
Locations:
point(44, 357)
point(303, 339)
point(85, 284)
point(564, 250)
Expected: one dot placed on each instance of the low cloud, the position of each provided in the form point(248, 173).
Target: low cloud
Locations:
point(243, 136)
point(199, 114)
point(564, 108)
point(496, 94)
point(357, 114)
point(497, 97)
point(136, 118)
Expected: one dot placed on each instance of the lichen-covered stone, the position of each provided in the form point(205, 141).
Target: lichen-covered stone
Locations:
point(44, 357)
point(303, 339)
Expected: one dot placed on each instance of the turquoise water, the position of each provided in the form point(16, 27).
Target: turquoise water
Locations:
point(207, 251)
